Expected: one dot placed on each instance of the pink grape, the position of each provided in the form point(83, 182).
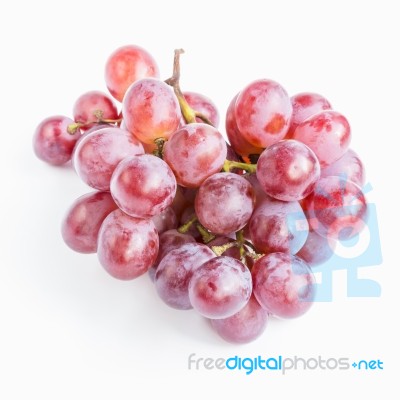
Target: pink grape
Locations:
point(327, 133)
point(243, 327)
point(239, 144)
point(278, 226)
point(169, 240)
point(304, 106)
point(126, 65)
point(283, 284)
point(81, 224)
point(288, 170)
point(149, 148)
point(151, 110)
point(189, 194)
point(143, 186)
point(93, 106)
point(220, 287)
point(337, 208)
point(93, 128)
point(263, 111)
point(317, 249)
point(175, 270)
point(224, 203)
point(202, 104)
point(194, 153)
point(51, 141)
point(349, 167)
point(127, 246)
point(180, 202)
point(97, 155)
point(260, 195)
point(166, 220)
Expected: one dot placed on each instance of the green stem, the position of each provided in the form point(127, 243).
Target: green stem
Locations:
point(228, 165)
point(206, 236)
point(185, 227)
point(219, 250)
point(73, 128)
point(240, 241)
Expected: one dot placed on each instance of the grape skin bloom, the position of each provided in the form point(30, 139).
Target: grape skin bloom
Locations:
point(127, 246)
point(224, 203)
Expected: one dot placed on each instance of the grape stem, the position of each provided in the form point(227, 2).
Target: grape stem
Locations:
point(205, 234)
point(228, 165)
point(186, 226)
point(73, 128)
point(188, 113)
point(246, 249)
point(219, 250)
point(159, 151)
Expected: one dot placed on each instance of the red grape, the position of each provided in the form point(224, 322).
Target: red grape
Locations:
point(317, 249)
point(239, 144)
point(220, 287)
point(283, 284)
point(260, 195)
point(224, 203)
point(304, 106)
point(127, 246)
point(288, 170)
point(278, 226)
point(349, 167)
point(337, 208)
point(202, 104)
point(169, 240)
point(194, 153)
point(327, 133)
point(151, 110)
point(98, 153)
point(94, 106)
point(180, 202)
point(175, 270)
point(245, 326)
point(166, 220)
point(263, 111)
point(143, 186)
point(126, 65)
point(52, 143)
point(82, 221)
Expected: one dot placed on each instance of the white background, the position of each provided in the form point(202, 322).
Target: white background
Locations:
point(68, 330)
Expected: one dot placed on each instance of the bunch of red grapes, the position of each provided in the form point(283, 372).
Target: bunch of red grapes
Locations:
point(228, 225)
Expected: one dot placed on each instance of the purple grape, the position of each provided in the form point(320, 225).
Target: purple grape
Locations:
point(81, 224)
point(278, 226)
point(283, 284)
point(220, 287)
point(288, 170)
point(175, 270)
point(245, 326)
point(143, 186)
point(224, 203)
point(97, 155)
point(127, 246)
